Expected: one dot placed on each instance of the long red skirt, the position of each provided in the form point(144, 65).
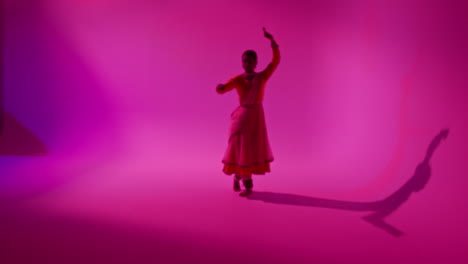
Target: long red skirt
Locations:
point(248, 151)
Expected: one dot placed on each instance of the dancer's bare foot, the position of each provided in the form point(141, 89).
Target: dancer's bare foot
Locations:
point(246, 193)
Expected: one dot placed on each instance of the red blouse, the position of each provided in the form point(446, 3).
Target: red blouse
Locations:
point(242, 86)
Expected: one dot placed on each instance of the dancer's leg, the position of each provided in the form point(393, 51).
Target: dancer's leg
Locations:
point(248, 184)
point(237, 187)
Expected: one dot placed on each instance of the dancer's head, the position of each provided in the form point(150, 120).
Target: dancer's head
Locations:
point(249, 61)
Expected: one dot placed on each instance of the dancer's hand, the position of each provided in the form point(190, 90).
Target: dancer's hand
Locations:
point(267, 35)
point(220, 88)
point(270, 37)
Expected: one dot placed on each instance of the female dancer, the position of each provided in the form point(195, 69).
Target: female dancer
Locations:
point(248, 151)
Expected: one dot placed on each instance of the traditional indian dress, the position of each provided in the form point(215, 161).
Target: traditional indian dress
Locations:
point(248, 151)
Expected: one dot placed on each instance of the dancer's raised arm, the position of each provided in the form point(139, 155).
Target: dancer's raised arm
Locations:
point(276, 55)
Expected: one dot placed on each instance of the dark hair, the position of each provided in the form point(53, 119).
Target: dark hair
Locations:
point(250, 53)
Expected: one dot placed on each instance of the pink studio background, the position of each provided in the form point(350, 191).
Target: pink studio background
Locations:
point(113, 134)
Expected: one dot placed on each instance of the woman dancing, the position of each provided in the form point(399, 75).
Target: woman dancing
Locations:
point(248, 151)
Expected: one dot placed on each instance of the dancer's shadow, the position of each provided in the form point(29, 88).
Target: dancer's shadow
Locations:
point(379, 209)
